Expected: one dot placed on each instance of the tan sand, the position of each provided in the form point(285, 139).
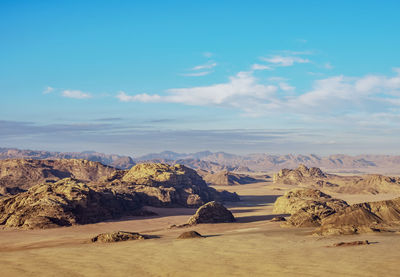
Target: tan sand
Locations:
point(253, 246)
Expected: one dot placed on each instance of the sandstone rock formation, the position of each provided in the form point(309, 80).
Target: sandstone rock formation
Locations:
point(64, 203)
point(212, 212)
point(298, 176)
point(166, 185)
point(190, 235)
point(312, 208)
point(227, 178)
point(118, 236)
point(307, 206)
point(360, 218)
point(315, 178)
point(24, 174)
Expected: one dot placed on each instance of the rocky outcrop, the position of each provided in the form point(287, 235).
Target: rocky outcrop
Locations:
point(227, 178)
point(361, 218)
point(212, 212)
point(24, 174)
point(190, 235)
point(298, 176)
point(312, 208)
point(64, 203)
point(118, 236)
point(307, 207)
point(373, 184)
point(166, 185)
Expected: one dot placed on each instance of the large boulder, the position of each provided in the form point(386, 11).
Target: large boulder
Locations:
point(307, 206)
point(212, 212)
point(64, 203)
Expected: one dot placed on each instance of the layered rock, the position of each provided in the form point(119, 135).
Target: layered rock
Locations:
point(307, 206)
point(166, 185)
point(360, 218)
point(24, 174)
point(64, 203)
point(298, 176)
point(212, 212)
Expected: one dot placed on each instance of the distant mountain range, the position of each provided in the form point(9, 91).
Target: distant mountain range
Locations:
point(217, 161)
point(117, 161)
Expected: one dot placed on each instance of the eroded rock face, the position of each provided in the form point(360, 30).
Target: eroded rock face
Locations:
point(166, 185)
point(24, 174)
point(118, 236)
point(64, 203)
point(297, 176)
point(361, 218)
point(212, 212)
point(227, 178)
point(307, 206)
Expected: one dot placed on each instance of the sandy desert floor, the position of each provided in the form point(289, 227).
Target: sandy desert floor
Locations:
point(253, 246)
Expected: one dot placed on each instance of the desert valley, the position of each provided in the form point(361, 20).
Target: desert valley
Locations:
point(74, 217)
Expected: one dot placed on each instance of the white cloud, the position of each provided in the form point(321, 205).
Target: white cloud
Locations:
point(260, 67)
point(123, 97)
point(285, 60)
point(328, 66)
point(76, 94)
point(208, 54)
point(205, 66)
point(241, 91)
point(48, 90)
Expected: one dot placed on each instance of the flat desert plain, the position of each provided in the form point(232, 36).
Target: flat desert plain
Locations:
point(253, 246)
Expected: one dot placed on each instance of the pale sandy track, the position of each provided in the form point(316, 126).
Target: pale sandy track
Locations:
point(251, 247)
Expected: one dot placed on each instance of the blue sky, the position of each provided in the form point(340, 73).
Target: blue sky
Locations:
point(134, 77)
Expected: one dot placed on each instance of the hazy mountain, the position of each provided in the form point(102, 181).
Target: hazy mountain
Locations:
point(117, 161)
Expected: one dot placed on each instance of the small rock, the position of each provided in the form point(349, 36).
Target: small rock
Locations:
point(118, 236)
point(278, 218)
point(190, 235)
point(352, 243)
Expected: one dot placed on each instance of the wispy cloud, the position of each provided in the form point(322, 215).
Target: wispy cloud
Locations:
point(328, 66)
point(196, 74)
point(76, 94)
point(279, 60)
point(205, 66)
point(257, 66)
point(208, 54)
point(48, 90)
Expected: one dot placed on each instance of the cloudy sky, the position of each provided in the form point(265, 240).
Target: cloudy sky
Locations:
point(238, 76)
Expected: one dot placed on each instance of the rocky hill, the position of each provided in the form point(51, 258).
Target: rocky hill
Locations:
point(117, 161)
point(313, 208)
point(315, 178)
point(227, 178)
point(22, 174)
point(64, 203)
point(166, 185)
